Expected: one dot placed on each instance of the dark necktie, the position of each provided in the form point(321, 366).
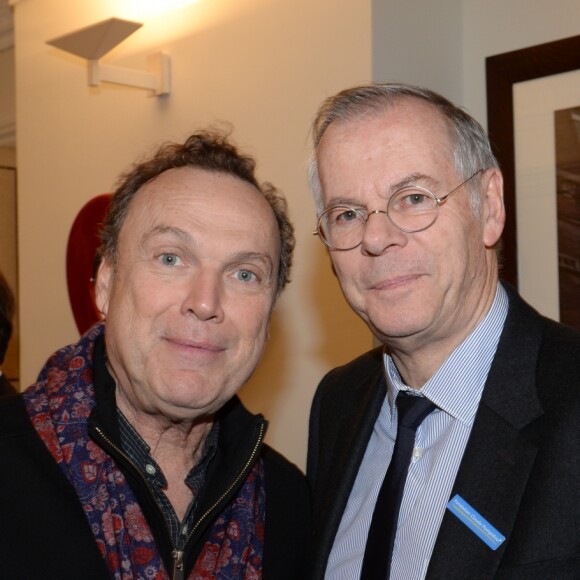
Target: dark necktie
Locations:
point(379, 548)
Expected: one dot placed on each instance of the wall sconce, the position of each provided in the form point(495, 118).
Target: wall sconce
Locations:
point(93, 42)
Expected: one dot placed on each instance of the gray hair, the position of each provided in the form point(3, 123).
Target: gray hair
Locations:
point(471, 146)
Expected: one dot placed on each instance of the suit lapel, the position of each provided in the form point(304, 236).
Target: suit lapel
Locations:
point(498, 458)
point(353, 432)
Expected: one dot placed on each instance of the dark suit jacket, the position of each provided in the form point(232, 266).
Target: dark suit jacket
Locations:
point(520, 470)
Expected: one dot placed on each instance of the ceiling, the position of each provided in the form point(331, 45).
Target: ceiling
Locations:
point(6, 26)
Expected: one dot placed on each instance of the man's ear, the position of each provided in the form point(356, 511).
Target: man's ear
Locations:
point(493, 206)
point(103, 286)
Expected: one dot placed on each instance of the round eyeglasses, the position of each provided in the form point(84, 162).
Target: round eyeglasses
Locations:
point(411, 209)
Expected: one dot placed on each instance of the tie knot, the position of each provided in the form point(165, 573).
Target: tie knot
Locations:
point(412, 410)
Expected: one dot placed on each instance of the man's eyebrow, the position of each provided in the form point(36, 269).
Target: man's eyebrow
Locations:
point(171, 230)
point(240, 257)
point(340, 201)
point(413, 179)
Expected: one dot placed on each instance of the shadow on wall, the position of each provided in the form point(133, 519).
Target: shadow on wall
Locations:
point(344, 335)
point(263, 392)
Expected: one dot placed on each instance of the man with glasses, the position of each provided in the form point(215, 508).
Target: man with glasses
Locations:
point(452, 451)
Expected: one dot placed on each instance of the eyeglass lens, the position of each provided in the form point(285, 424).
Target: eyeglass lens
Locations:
point(410, 210)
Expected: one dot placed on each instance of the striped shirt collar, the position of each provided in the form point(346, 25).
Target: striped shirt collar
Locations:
point(457, 386)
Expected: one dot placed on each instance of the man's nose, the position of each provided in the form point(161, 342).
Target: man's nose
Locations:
point(380, 234)
point(204, 296)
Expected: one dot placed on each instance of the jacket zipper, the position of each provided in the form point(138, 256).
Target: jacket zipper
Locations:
point(234, 483)
point(149, 492)
point(178, 567)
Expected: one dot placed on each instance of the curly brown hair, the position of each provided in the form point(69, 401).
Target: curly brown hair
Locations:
point(209, 150)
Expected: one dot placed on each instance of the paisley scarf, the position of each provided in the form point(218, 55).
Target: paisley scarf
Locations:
point(59, 405)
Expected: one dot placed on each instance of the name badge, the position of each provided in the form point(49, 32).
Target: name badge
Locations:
point(476, 522)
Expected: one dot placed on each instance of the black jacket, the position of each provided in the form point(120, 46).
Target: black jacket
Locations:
point(44, 532)
point(521, 467)
point(6, 387)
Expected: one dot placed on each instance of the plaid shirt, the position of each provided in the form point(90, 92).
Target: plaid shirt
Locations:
point(139, 453)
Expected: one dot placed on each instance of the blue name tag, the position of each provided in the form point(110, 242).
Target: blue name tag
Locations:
point(476, 522)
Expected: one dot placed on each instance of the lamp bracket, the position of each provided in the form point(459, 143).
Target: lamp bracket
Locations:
point(156, 79)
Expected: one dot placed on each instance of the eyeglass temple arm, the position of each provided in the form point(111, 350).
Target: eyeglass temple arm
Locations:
point(440, 200)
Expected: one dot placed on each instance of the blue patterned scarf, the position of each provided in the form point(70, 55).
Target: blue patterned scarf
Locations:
point(59, 405)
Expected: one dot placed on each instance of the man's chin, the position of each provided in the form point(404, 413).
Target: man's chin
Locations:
point(395, 328)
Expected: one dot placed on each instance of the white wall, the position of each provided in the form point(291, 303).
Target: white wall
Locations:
point(419, 42)
point(264, 65)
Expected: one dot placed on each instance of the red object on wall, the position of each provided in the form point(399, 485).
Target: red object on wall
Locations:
point(82, 246)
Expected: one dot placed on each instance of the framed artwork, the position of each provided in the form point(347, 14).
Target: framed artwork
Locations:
point(529, 93)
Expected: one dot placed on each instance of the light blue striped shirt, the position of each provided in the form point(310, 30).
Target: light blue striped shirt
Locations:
point(456, 389)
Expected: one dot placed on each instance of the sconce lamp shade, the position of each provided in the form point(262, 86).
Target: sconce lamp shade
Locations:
point(93, 42)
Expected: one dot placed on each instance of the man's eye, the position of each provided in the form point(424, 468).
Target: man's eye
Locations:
point(414, 198)
point(347, 216)
point(246, 276)
point(169, 259)
point(342, 216)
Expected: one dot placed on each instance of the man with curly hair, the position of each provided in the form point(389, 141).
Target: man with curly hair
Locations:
point(132, 457)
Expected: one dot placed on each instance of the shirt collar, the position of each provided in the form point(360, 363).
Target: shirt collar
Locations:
point(139, 452)
point(457, 385)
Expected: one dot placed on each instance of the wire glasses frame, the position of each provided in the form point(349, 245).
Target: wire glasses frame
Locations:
point(410, 209)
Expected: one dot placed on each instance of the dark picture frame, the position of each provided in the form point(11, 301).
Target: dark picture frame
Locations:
point(502, 72)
